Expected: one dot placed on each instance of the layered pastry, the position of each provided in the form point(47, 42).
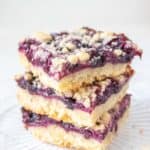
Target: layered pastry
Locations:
point(68, 135)
point(66, 61)
point(73, 91)
point(82, 107)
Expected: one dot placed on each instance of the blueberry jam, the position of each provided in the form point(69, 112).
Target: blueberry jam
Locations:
point(100, 52)
point(101, 97)
point(32, 119)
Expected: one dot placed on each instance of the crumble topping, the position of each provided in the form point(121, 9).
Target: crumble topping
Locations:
point(107, 35)
point(83, 56)
point(43, 37)
point(17, 77)
point(96, 37)
point(81, 31)
point(86, 95)
point(42, 54)
point(28, 76)
point(104, 84)
point(118, 52)
point(70, 46)
point(73, 59)
point(57, 63)
point(65, 42)
point(60, 54)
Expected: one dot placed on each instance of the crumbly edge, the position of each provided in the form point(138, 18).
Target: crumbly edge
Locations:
point(56, 135)
point(76, 80)
point(85, 95)
point(56, 109)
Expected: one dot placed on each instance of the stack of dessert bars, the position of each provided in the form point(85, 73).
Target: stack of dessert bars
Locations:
point(74, 90)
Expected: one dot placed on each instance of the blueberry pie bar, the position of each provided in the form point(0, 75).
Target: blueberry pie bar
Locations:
point(67, 60)
point(68, 135)
point(73, 92)
point(82, 107)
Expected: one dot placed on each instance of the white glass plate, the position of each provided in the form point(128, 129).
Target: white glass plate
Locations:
point(135, 135)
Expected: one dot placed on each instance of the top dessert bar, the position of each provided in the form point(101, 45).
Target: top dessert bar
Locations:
point(67, 60)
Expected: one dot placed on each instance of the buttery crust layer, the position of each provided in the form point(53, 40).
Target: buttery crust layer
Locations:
point(56, 135)
point(56, 109)
point(75, 80)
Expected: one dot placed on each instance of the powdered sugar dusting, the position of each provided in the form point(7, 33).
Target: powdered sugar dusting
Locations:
point(41, 54)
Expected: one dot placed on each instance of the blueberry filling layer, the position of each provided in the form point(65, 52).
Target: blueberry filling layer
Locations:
point(113, 87)
point(66, 48)
point(32, 119)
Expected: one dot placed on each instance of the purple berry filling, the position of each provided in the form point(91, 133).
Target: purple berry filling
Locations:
point(32, 119)
point(71, 103)
point(99, 55)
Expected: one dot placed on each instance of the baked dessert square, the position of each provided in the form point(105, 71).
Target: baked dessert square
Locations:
point(68, 135)
point(82, 107)
point(73, 91)
point(66, 61)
